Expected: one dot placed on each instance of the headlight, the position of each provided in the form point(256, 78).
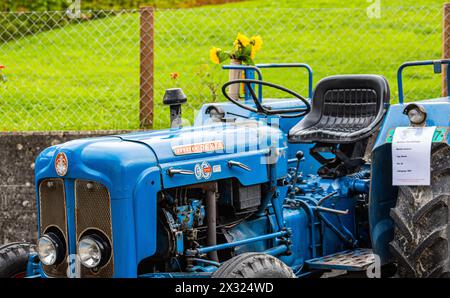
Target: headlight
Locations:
point(93, 251)
point(416, 114)
point(51, 249)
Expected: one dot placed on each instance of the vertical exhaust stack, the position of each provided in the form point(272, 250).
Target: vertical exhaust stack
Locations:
point(211, 221)
point(174, 98)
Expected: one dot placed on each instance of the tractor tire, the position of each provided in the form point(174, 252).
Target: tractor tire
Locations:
point(14, 259)
point(421, 243)
point(253, 265)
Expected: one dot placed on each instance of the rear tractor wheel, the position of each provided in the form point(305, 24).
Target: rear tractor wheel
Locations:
point(421, 243)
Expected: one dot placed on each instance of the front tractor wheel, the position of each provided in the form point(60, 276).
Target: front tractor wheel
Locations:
point(14, 259)
point(253, 265)
point(421, 218)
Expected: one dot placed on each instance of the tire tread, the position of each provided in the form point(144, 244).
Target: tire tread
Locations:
point(421, 244)
point(253, 265)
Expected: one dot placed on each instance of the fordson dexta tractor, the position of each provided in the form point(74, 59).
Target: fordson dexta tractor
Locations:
point(257, 187)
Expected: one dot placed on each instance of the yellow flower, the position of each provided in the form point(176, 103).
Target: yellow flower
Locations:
point(236, 44)
point(213, 54)
point(243, 40)
point(257, 42)
point(253, 52)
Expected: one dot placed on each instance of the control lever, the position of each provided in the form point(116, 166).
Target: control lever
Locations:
point(232, 163)
point(171, 172)
point(334, 211)
point(299, 155)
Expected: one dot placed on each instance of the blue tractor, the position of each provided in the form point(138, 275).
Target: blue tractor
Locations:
point(257, 187)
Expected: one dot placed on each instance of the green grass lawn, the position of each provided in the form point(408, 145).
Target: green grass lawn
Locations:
point(86, 76)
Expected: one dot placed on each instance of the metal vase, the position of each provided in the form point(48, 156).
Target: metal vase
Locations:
point(235, 74)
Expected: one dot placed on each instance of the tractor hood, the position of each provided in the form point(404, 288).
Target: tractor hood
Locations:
point(204, 151)
point(104, 159)
point(134, 168)
point(195, 142)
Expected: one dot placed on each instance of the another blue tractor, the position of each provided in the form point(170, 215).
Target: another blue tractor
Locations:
point(256, 188)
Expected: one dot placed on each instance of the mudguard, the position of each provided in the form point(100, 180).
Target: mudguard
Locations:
point(383, 195)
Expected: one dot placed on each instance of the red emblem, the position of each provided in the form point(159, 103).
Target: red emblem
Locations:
point(61, 164)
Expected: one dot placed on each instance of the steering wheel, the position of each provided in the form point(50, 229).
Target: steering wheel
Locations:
point(261, 109)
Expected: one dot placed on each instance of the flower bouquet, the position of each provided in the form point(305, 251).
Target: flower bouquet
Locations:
point(243, 52)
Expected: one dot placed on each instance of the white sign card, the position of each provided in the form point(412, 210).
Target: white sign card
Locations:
point(411, 155)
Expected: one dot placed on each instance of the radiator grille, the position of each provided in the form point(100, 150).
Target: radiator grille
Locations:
point(52, 204)
point(93, 212)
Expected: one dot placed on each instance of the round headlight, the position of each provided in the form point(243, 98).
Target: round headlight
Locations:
point(93, 251)
point(50, 249)
point(416, 114)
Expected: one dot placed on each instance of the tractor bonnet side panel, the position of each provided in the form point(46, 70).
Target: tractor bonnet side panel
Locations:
point(204, 153)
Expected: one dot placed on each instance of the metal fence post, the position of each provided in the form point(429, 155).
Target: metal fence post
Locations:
point(445, 46)
point(146, 67)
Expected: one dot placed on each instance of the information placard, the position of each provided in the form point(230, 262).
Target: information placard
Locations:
point(411, 155)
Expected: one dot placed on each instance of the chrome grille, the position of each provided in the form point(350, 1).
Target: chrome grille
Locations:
point(93, 212)
point(52, 205)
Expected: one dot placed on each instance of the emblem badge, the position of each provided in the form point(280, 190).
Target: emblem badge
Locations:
point(198, 171)
point(203, 170)
point(61, 164)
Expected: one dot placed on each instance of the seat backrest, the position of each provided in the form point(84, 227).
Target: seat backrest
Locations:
point(345, 109)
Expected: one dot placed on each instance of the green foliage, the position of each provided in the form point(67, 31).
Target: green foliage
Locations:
point(15, 26)
point(209, 78)
point(86, 76)
point(3, 78)
point(60, 5)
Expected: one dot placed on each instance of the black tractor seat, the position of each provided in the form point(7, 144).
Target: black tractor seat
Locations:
point(345, 109)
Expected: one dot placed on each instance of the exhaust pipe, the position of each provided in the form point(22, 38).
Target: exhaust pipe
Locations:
point(211, 221)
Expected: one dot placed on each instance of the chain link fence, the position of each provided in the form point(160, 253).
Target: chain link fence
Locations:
point(83, 73)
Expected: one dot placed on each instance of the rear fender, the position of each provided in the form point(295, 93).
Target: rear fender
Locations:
point(383, 195)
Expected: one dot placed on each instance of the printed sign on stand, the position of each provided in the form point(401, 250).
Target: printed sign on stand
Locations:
point(411, 155)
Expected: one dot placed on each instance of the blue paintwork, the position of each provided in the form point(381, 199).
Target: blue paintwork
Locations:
point(107, 160)
point(382, 194)
point(309, 165)
point(33, 266)
point(242, 242)
point(299, 222)
point(134, 167)
point(243, 142)
point(144, 158)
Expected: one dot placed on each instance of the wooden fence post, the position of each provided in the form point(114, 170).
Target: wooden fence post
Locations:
point(445, 46)
point(146, 67)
